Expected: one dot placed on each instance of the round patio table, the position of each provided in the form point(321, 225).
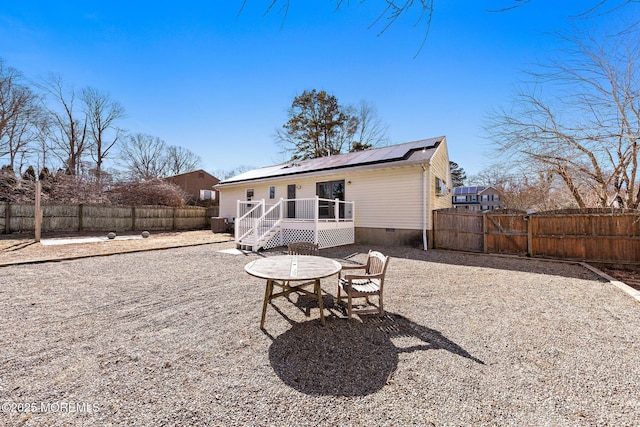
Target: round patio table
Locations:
point(283, 270)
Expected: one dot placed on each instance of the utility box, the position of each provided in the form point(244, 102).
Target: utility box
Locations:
point(218, 224)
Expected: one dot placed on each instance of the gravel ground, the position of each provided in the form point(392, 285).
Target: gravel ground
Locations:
point(172, 337)
point(21, 248)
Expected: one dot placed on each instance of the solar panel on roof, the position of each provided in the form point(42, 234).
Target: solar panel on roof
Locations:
point(389, 153)
point(468, 190)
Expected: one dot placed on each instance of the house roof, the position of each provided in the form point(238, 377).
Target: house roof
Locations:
point(410, 152)
point(197, 171)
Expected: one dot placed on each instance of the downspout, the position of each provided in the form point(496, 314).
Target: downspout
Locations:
point(424, 207)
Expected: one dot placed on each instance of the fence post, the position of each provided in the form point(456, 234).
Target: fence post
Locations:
point(37, 212)
point(80, 216)
point(336, 209)
point(7, 218)
point(434, 228)
point(133, 218)
point(530, 236)
point(174, 219)
point(485, 249)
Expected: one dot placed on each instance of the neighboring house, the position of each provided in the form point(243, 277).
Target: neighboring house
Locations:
point(198, 185)
point(477, 198)
point(379, 196)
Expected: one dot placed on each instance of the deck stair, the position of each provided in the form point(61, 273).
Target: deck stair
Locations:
point(264, 235)
point(326, 222)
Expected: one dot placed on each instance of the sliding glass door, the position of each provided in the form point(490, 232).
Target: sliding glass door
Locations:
point(330, 190)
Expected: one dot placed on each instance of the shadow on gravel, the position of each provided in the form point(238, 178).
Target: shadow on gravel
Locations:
point(351, 358)
point(512, 263)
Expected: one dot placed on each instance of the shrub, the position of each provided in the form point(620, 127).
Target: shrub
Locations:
point(152, 192)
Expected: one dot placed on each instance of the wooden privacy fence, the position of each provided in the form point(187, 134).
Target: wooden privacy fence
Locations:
point(58, 217)
point(595, 235)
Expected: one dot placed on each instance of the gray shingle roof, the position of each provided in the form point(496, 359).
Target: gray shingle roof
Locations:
point(410, 152)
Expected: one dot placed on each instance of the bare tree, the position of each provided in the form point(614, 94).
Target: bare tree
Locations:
point(20, 114)
point(371, 131)
point(596, 8)
point(102, 115)
point(525, 188)
point(222, 174)
point(144, 157)
point(587, 131)
point(42, 151)
point(149, 192)
point(67, 128)
point(422, 11)
point(181, 160)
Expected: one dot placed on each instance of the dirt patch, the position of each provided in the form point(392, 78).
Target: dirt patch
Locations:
point(631, 278)
point(23, 248)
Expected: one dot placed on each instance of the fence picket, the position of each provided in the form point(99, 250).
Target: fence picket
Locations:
point(58, 217)
point(597, 235)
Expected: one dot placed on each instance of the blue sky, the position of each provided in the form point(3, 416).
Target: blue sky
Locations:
point(199, 75)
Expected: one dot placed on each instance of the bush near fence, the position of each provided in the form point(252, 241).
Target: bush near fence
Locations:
point(62, 217)
point(606, 236)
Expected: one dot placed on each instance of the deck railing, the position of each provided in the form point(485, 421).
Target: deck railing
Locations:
point(268, 221)
point(248, 214)
point(317, 209)
point(256, 219)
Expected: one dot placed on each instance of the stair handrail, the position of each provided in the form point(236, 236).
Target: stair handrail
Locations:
point(268, 221)
point(245, 225)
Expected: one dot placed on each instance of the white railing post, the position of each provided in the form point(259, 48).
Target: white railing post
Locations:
point(236, 223)
point(281, 217)
point(255, 234)
point(316, 216)
point(263, 205)
point(353, 212)
point(336, 210)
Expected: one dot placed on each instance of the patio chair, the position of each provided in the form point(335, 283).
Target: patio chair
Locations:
point(371, 282)
point(304, 248)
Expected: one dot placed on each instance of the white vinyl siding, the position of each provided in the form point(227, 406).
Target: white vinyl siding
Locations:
point(440, 169)
point(384, 198)
point(387, 198)
point(228, 200)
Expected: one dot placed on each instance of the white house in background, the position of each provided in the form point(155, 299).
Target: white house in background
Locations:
point(478, 198)
point(380, 196)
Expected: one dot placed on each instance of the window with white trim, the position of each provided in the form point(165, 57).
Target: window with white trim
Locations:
point(207, 195)
point(441, 187)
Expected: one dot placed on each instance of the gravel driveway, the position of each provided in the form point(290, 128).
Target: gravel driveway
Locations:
point(172, 337)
